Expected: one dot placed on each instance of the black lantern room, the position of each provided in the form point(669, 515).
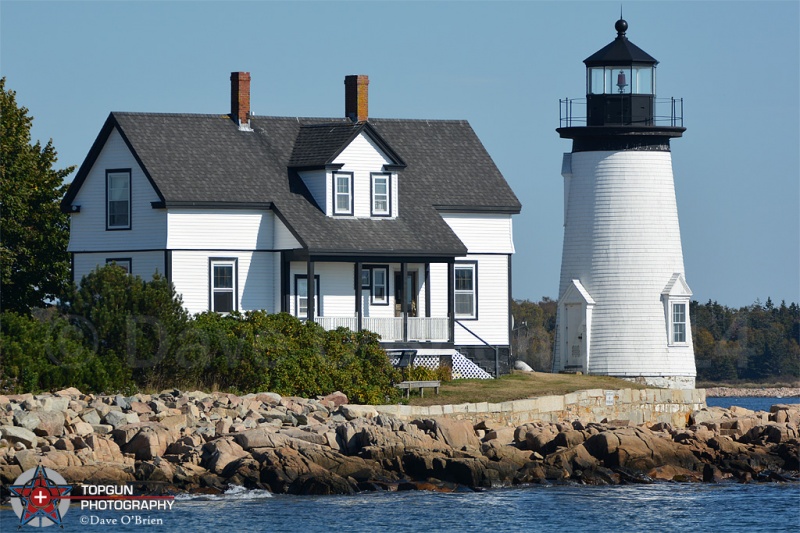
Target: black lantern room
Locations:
point(621, 102)
point(620, 84)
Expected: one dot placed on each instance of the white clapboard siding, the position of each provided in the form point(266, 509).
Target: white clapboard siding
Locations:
point(143, 264)
point(284, 240)
point(223, 229)
point(493, 302)
point(438, 289)
point(622, 241)
point(335, 288)
point(483, 233)
point(315, 183)
point(88, 228)
point(362, 157)
point(255, 271)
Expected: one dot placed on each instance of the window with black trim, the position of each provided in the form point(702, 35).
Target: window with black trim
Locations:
point(342, 193)
point(301, 295)
point(379, 294)
point(123, 262)
point(381, 195)
point(118, 199)
point(223, 285)
point(466, 290)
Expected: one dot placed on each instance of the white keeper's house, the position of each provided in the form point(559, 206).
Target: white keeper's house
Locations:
point(404, 226)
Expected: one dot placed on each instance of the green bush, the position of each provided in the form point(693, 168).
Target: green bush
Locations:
point(139, 323)
point(118, 331)
point(256, 351)
point(48, 353)
point(422, 373)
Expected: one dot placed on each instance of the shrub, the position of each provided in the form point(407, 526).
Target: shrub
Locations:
point(121, 332)
point(137, 322)
point(48, 353)
point(422, 373)
point(256, 351)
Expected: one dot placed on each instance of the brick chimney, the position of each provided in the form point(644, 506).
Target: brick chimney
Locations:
point(356, 102)
point(240, 99)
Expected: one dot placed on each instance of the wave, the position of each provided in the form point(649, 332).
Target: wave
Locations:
point(234, 492)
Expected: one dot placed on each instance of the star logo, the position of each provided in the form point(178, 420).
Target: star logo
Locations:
point(40, 493)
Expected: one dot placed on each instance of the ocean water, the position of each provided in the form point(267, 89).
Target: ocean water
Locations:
point(734, 507)
point(754, 404)
point(630, 508)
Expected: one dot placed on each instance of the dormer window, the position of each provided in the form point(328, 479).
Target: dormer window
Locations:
point(343, 193)
point(381, 195)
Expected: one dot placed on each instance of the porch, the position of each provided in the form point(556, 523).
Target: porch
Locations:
point(405, 302)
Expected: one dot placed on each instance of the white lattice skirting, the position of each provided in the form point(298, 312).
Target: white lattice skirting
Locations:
point(463, 368)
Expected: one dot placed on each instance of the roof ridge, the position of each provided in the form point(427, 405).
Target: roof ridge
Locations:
point(159, 114)
point(339, 121)
point(437, 120)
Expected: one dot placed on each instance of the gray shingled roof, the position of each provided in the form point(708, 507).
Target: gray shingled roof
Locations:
point(318, 144)
point(206, 160)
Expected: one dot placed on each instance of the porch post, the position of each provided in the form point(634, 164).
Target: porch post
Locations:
point(403, 298)
point(286, 292)
point(451, 298)
point(427, 290)
point(310, 290)
point(358, 290)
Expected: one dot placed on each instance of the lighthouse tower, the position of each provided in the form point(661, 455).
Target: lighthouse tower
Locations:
point(623, 307)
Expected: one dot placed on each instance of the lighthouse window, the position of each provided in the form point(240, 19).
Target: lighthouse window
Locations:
point(597, 84)
point(643, 82)
point(622, 80)
point(678, 323)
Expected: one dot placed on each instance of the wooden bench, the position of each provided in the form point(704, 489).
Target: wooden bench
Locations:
point(408, 385)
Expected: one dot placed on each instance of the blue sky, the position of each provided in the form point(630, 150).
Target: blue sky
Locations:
point(500, 65)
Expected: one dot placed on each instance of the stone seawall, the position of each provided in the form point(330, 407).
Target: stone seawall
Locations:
point(645, 406)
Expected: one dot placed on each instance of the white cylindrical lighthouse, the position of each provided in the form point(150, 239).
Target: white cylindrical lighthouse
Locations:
point(623, 307)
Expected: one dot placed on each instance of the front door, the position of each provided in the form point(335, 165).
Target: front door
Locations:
point(411, 294)
point(575, 336)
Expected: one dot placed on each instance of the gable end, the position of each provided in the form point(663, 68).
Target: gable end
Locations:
point(74, 187)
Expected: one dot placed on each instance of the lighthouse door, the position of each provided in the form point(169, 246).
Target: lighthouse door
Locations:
point(575, 336)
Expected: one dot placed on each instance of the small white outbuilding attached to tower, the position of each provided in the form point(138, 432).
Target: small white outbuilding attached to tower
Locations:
point(623, 307)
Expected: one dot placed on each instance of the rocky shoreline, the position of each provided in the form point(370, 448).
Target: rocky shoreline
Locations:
point(201, 442)
point(764, 392)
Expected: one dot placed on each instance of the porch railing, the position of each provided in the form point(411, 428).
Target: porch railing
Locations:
point(391, 329)
point(428, 329)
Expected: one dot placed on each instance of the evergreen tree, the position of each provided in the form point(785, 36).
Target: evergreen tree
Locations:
point(34, 265)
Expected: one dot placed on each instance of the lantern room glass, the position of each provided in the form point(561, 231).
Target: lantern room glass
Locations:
point(629, 79)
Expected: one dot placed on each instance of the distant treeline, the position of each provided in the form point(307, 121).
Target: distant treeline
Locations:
point(755, 342)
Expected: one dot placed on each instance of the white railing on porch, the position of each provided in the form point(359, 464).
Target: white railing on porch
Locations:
point(428, 329)
point(391, 329)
